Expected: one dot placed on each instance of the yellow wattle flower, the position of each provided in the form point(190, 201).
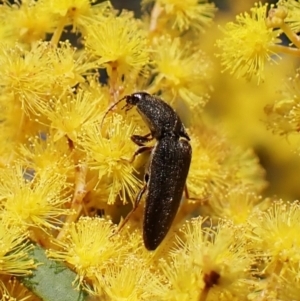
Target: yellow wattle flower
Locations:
point(33, 199)
point(119, 43)
point(71, 112)
point(88, 245)
point(14, 248)
point(247, 44)
point(109, 152)
point(275, 234)
point(216, 258)
point(184, 15)
point(181, 72)
point(293, 13)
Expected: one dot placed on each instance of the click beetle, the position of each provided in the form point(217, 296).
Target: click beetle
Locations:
point(170, 158)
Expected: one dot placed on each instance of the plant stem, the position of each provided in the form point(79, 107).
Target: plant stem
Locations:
point(286, 49)
point(290, 34)
point(59, 30)
point(204, 294)
point(156, 11)
point(79, 193)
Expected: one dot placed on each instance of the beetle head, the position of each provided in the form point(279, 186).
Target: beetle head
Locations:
point(135, 98)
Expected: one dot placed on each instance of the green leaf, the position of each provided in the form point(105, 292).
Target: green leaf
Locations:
point(52, 281)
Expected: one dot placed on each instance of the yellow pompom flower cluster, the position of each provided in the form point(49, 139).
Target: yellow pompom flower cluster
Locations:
point(182, 15)
point(292, 13)
point(182, 72)
point(283, 115)
point(123, 44)
point(33, 200)
point(254, 39)
point(248, 43)
point(14, 258)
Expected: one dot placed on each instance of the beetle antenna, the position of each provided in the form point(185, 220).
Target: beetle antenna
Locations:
point(110, 108)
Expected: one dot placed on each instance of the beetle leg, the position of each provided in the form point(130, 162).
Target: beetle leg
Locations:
point(187, 196)
point(141, 150)
point(135, 206)
point(141, 140)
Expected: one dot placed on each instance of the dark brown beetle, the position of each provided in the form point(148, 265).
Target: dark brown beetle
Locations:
point(168, 168)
